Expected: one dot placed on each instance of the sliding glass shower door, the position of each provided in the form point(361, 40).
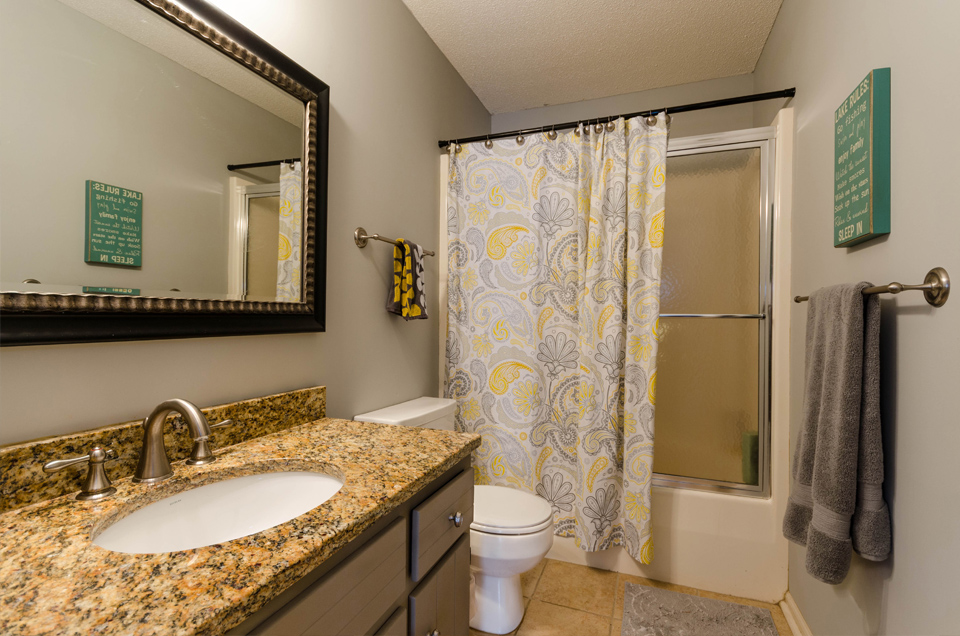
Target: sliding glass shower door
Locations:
point(712, 418)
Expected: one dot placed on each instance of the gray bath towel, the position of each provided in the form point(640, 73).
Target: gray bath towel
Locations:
point(837, 500)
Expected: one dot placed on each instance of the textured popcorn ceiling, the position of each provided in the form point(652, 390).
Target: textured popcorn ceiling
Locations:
point(519, 54)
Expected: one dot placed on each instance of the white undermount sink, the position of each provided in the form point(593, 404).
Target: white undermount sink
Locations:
point(219, 512)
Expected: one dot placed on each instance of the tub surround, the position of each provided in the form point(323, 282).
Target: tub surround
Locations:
point(23, 482)
point(54, 580)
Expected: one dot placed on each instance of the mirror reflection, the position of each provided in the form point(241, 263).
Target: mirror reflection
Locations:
point(161, 168)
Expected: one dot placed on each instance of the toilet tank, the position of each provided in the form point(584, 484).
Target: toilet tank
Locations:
point(427, 412)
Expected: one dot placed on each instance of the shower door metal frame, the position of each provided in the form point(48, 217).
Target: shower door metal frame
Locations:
point(765, 140)
point(247, 194)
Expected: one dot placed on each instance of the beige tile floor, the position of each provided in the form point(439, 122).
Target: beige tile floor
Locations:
point(563, 599)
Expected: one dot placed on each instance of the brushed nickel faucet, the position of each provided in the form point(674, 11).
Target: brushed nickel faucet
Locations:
point(96, 485)
point(154, 465)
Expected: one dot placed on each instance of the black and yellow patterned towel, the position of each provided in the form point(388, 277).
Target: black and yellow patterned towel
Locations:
point(406, 297)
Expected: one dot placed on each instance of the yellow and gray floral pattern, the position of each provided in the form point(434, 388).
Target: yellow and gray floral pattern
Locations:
point(554, 287)
point(291, 233)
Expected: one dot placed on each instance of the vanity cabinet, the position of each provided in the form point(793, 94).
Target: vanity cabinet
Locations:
point(408, 574)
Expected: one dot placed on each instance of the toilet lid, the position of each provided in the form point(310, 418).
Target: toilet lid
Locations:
point(500, 510)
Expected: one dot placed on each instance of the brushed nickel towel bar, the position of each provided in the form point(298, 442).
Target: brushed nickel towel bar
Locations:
point(935, 288)
point(360, 237)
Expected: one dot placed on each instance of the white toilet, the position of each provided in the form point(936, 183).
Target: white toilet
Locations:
point(511, 530)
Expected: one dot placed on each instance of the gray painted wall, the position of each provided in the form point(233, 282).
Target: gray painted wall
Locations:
point(825, 48)
point(393, 95)
point(683, 125)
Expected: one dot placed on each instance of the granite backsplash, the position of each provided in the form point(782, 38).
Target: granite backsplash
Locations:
point(23, 482)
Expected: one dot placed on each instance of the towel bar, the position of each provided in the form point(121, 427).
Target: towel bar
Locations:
point(935, 288)
point(360, 237)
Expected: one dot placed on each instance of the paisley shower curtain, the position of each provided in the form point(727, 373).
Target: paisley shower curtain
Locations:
point(554, 285)
point(291, 233)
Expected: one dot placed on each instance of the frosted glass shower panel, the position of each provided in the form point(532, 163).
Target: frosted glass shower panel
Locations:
point(711, 248)
point(707, 400)
point(263, 228)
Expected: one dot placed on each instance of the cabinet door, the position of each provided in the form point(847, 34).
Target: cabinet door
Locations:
point(396, 625)
point(352, 596)
point(441, 603)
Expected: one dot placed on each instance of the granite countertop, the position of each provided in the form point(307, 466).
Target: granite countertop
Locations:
point(54, 580)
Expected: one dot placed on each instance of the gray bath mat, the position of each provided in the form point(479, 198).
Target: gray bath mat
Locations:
point(650, 611)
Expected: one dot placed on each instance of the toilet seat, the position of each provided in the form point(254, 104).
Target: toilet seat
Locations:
point(501, 510)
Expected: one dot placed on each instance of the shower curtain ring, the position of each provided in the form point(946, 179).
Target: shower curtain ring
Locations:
point(666, 117)
point(459, 147)
point(598, 128)
point(610, 126)
point(488, 144)
point(520, 139)
point(651, 120)
point(552, 134)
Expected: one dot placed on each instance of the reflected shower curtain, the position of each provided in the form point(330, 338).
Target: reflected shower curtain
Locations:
point(291, 233)
point(554, 286)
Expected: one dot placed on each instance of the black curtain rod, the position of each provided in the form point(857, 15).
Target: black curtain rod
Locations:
point(261, 164)
point(717, 103)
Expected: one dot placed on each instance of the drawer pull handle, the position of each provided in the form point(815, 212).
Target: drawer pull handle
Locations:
point(457, 520)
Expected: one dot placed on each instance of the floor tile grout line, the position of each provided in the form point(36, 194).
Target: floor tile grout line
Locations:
point(536, 583)
point(616, 595)
point(575, 609)
point(611, 614)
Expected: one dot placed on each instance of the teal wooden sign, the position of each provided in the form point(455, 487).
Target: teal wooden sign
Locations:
point(861, 183)
point(123, 291)
point(114, 225)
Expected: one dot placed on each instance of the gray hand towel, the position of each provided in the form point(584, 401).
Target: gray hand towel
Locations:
point(837, 501)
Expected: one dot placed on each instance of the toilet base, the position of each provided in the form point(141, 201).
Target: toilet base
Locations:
point(499, 603)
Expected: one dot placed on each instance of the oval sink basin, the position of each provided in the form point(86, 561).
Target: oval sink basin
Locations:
point(219, 512)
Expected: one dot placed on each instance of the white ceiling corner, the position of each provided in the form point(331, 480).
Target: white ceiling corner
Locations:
point(520, 54)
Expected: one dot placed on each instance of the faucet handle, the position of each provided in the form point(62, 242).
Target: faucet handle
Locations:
point(96, 485)
point(201, 453)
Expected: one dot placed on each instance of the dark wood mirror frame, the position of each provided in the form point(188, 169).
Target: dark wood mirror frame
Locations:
point(28, 318)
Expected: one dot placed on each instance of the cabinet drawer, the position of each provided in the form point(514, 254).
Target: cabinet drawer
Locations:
point(351, 597)
point(432, 532)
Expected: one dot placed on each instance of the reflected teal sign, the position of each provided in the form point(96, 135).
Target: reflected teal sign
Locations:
point(122, 291)
point(114, 225)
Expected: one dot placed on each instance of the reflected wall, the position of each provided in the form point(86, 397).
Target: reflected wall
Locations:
point(84, 102)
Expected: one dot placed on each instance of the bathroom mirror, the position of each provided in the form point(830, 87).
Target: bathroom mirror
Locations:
point(162, 175)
